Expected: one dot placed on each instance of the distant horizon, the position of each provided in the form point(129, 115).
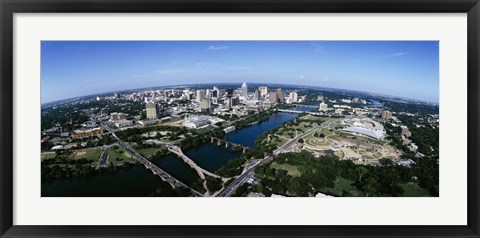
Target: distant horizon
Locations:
point(406, 69)
point(239, 83)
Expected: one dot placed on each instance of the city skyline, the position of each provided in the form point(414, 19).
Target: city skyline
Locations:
point(74, 69)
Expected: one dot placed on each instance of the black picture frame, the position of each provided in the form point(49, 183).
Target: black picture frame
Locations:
point(9, 7)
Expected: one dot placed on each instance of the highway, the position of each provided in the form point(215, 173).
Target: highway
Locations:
point(103, 161)
point(247, 174)
point(149, 165)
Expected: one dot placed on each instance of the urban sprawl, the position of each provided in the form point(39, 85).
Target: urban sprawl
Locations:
point(330, 143)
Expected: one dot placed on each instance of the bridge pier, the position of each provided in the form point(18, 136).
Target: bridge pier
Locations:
point(211, 140)
point(226, 145)
point(219, 142)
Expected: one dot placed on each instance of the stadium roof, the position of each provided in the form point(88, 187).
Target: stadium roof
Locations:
point(377, 134)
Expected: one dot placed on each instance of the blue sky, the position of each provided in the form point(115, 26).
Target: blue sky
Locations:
point(401, 68)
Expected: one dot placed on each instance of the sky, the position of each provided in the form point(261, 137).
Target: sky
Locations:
point(400, 68)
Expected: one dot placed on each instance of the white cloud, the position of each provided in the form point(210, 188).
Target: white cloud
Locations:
point(302, 76)
point(213, 47)
point(171, 71)
point(398, 54)
point(318, 48)
point(237, 68)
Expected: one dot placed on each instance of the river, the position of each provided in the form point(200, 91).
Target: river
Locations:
point(138, 181)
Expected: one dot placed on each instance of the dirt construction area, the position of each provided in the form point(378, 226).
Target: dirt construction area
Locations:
point(357, 148)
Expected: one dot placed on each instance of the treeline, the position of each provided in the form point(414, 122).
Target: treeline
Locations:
point(213, 184)
point(67, 118)
point(395, 139)
point(320, 175)
point(167, 191)
point(234, 167)
point(425, 137)
point(414, 108)
point(255, 118)
point(79, 168)
point(193, 142)
point(262, 144)
point(135, 134)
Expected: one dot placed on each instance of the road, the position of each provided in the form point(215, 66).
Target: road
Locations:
point(247, 174)
point(149, 165)
point(103, 161)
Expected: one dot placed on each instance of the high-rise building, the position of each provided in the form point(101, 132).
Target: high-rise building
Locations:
point(151, 110)
point(235, 101)
point(216, 92)
point(116, 116)
point(205, 105)
point(273, 97)
point(386, 115)
point(323, 106)
point(200, 95)
point(228, 103)
point(263, 90)
point(319, 98)
point(256, 94)
point(293, 97)
point(280, 95)
point(229, 92)
point(244, 92)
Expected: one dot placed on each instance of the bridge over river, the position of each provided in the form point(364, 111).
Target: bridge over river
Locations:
point(152, 167)
point(299, 112)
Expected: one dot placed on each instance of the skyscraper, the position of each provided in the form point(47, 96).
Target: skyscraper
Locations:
point(206, 105)
point(235, 101)
point(229, 92)
point(280, 95)
point(151, 111)
point(244, 90)
point(263, 90)
point(200, 95)
point(272, 97)
point(216, 92)
point(293, 97)
point(256, 94)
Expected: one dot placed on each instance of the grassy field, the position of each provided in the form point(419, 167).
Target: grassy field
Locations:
point(413, 190)
point(344, 184)
point(291, 170)
point(313, 118)
point(48, 156)
point(90, 154)
point(118, 154)
point(147, 152)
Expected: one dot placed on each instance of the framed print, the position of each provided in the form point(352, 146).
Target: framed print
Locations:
point(260, 118)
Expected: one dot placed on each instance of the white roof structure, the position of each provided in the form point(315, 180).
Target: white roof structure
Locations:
point(364, 131)
point(366, 127)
